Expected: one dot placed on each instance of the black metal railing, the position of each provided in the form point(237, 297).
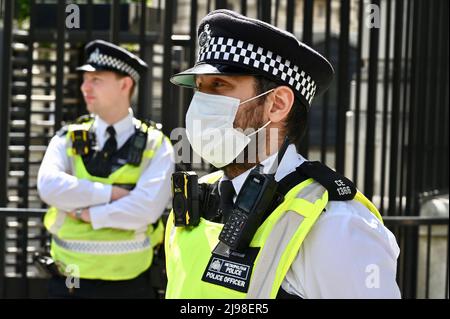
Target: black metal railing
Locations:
point(421, 228)
point(21, 234)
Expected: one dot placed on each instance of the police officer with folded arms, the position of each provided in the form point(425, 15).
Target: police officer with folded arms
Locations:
point(107, 180)
point(273, 225)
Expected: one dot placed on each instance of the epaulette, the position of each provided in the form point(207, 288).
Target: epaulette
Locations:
point(84, 118)
point(63, 131)
point(79, 120)
point(152, 124)
point(339, 187)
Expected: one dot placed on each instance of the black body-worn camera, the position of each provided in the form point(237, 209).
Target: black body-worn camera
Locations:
point(185, 201)
point(81, 142)
point(192, 200)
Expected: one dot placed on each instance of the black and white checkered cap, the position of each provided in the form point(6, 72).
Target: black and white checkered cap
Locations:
point(102, 55)
point(230, 43)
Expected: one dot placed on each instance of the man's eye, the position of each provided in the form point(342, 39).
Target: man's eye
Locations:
point(217, 84)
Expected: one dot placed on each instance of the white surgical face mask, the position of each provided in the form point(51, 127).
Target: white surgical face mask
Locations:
point(209, 128)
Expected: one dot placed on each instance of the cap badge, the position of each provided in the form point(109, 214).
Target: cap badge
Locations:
point(95, 56)
point(205, 36)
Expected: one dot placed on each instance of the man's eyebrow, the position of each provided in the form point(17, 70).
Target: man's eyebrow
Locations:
point(224, 78)
point(227, 80)
point(199, 80)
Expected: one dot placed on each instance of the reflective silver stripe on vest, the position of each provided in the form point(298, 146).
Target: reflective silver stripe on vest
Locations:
point(104, 248)
point(312, 192)
point(265, 270)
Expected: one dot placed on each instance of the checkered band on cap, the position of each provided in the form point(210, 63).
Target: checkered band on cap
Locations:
point(227, 49)
point(109, 61)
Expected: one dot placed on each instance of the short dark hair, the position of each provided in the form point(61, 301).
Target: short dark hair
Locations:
point(297, 119)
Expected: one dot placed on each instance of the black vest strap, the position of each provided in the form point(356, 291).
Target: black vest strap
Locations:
point(339, 187)
point(290, 181)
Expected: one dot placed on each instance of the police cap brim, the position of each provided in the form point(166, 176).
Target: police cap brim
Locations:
point(91, 68)
point(187, 77)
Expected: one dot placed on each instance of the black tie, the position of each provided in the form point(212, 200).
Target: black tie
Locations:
point(226, 199)
point(111, 144)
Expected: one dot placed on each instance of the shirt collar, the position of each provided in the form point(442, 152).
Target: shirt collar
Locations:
point(120, 127)
point(290, 161)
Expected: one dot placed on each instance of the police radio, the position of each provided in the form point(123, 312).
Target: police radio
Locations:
point(256, 197)
point(253, 201)
point(137, 148)
point(185, 202)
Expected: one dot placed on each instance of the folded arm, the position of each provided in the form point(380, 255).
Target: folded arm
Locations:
point(58, 187)
point(146, 202)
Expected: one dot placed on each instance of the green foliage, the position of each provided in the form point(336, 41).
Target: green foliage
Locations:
point(23, 10)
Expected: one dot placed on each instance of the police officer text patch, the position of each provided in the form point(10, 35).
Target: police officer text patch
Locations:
point(231, 272)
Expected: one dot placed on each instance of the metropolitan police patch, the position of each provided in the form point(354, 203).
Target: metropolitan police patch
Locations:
point(232, 272)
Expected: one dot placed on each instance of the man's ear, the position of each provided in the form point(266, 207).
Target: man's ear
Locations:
point(283, 99)
point(127, 83)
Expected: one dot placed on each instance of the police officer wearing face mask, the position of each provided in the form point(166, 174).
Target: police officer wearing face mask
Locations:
point(107, 180)
point(315, 236)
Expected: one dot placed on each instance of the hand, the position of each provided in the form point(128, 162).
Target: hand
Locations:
point(85, 215)
point(118, 193)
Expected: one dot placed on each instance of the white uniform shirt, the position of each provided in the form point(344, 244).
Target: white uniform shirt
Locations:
point(348, 252)
point(142, 206)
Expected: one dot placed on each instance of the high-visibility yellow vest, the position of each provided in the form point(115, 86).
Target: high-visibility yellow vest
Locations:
point(188, 249)
point(107, 253)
